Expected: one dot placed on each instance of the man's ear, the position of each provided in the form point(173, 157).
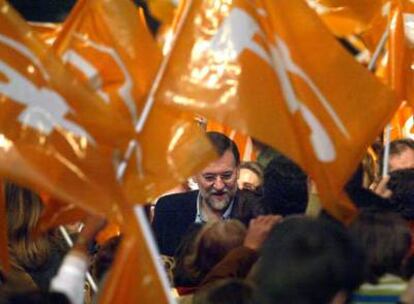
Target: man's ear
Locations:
point(196, 179)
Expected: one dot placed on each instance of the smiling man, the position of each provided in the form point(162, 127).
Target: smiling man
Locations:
point(218, 198)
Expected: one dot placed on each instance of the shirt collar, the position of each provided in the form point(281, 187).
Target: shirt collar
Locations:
point(199, 219)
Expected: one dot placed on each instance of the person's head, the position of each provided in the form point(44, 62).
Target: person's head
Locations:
point(227, 291)
point(401, 184)
point(401, 154)
point(211, 244)
point(218, 181)
point(385, 237)
point(23, 209)
point(285, 188)
point(104, 257)
point(186, 248)
point(251, 176)
point(308, 261)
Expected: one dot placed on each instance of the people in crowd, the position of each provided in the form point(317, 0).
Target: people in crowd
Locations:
point(239, 261)
point(401, 186)
point(307, 261)
point(34, 259)
point(70, 279)
point(285, 189)
point(401, 154)
point(226, 292)
point(386, 239)
point(251, 176)
point(218, 198)
point(212, 242)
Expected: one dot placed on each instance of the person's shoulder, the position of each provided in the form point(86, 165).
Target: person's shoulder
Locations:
point(248, 197)
point(172, 202)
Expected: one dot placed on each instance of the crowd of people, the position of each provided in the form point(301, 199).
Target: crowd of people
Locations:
point(237, 238)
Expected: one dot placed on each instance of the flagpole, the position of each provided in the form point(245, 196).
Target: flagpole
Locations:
point(387, 132)
point(386, 155)
point(133, 145)
point(139, 126)
point(378, 50)
point(69, 241)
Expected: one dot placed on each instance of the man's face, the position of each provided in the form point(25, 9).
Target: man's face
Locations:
point(218, 182)
point(403, 160)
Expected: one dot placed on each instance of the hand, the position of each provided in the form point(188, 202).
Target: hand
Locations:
point(259, 229)
point(380, 188)
point(408, 295)
point(92, 225)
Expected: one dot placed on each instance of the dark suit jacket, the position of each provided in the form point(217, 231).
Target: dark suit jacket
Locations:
point(175, 213)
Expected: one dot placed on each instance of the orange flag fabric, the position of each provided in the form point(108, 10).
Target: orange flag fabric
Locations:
point(347, 17)
point(402, 124)
point(47, 32)
point(109, 46)
point(395, 69)
point(112, 50)
point(51, 125)
point(283, 79)
point(137, 275)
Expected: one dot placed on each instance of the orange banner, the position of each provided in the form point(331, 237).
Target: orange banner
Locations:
point(247, 69)
point(348, 17)
point(52, 126)
point(109, 46)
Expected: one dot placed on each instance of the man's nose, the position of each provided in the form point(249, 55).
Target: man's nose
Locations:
point(218, 183)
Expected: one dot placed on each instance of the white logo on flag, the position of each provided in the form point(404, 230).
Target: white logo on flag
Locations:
point(95, 79)
point(45, 108)
point(236, 34)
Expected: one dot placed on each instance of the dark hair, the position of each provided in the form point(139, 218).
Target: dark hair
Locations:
point(222, 144)
point(285, 188)
point(401, 184)
point(104, 257)
point(38, 297)
point(43, 10)
point(307, 260)
point(365, 198)
point(385, 238)
point(227, 291)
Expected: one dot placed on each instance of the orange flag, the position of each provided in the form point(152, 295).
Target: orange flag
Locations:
point(51, 125)
point(283, 79)
point(137, 275)
point(395, 69)
point(109, 46)
point(347, 17)
point(111, 49)
point(47, 32)
point(402, 124)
